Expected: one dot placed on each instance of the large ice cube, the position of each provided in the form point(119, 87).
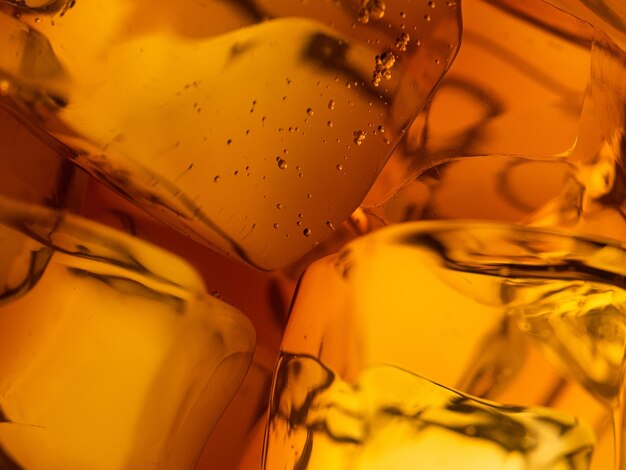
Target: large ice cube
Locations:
point(111, 354)
point(254, 138)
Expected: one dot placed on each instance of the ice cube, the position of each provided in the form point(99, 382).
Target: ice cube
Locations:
point(111, 353)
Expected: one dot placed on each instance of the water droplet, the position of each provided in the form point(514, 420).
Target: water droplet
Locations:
point(279, 206)
point(5, 86)
point(339, 166)
point(307, 232)
point(216, 179)
point(431, 4)
point(276, 226)
point(229, 141)
point(330, 225)
point(427, 17)
point(282, 164)
point(309, 195)
point(359, 137)
point(310, 111)
point(331, 104)
point(330, 124)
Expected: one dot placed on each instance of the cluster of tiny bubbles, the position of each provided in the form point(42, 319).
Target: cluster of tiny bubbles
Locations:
point(402, 42)
point(371, 9)
point(383, 65)
point(359, 137)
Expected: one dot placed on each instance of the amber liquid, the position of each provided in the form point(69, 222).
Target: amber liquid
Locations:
point(260, 137)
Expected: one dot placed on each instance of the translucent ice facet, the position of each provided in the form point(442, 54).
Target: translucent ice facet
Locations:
point(468, 305)
point(111, 354)
point(527, 110)
point(392, 419)
point(228, 119)
point(525, 99)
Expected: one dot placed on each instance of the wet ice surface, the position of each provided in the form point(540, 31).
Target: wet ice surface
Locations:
point(489, 301)
point(238, 142)
point(567, 126)
point(389, 417)
point(111, 354)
